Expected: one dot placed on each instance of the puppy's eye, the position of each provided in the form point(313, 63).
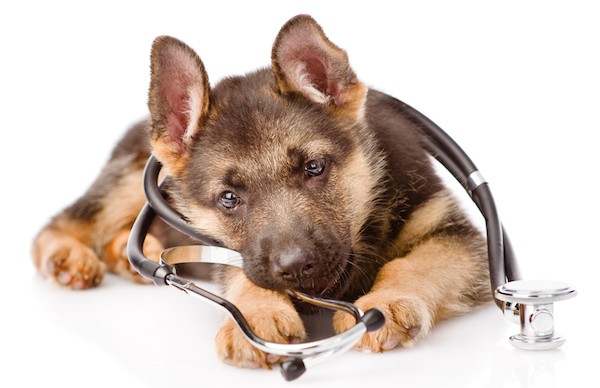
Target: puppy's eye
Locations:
point(229, 200)
point(314, 167)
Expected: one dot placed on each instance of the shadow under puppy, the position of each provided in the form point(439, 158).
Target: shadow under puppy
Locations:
point(321, 184)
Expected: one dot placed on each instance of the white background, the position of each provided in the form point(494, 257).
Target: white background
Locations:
point(515, 83)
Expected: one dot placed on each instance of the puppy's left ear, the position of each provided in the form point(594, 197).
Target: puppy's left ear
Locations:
point(306, 62)
point(178, 100)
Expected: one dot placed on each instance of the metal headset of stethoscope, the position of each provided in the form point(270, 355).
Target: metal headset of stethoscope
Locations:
point(529, 303)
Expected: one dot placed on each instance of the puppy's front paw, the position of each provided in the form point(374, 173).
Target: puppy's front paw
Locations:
point(67, 261)
point(407, 319)
point(280, 324)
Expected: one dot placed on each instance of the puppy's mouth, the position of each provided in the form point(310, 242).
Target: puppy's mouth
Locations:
point(325, 275)
point(333, 288)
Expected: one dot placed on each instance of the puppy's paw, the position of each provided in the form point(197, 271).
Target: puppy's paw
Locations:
point(115, 255)
point(67, 261)
point(280, 324)
point(407, 319)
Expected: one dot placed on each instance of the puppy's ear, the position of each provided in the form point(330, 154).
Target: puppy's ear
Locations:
point(306, 62)
point(178, 100)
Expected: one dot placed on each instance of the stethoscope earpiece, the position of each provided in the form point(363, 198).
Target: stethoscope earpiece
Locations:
point(530, 303)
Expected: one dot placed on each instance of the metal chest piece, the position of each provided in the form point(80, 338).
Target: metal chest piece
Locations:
point(530, 303)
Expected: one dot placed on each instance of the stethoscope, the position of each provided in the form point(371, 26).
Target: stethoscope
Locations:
point(528, 303)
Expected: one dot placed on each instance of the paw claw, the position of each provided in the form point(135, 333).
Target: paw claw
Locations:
point(413, 331)
point(64, 278)
point(390, 344)
point(247, 364)
point(294, 340)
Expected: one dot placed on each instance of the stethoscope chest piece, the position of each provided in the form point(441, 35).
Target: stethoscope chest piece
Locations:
point(530, 303)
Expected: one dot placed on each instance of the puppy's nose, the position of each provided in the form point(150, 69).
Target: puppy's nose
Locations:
point(294, 264)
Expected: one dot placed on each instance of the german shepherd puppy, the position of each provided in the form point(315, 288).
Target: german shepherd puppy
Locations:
point(321, 183)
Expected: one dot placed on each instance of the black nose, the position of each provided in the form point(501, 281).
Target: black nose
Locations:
point(294, 264)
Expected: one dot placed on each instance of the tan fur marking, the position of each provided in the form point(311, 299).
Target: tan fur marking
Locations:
point(426, 219)
point(115, 255)
point(354, 97)
point(165, 151)
point(270, 314)
point(431, 283)
point(441, 271)
point(207, 220)
point(79, 230)
point(120, 208)
point(362, 177)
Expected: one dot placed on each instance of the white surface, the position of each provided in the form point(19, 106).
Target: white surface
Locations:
point(516, 84)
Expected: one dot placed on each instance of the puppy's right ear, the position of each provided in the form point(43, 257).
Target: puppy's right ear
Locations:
point(178, 100)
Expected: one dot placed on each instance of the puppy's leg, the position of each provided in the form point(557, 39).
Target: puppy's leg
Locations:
point(270, 314)
point(89, 237)
point(443, 274)
point(114, 255)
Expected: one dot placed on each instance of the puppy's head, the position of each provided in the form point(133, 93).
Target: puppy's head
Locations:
point(277, 164)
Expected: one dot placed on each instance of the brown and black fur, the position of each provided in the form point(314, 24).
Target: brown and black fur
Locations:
point(320, 183)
